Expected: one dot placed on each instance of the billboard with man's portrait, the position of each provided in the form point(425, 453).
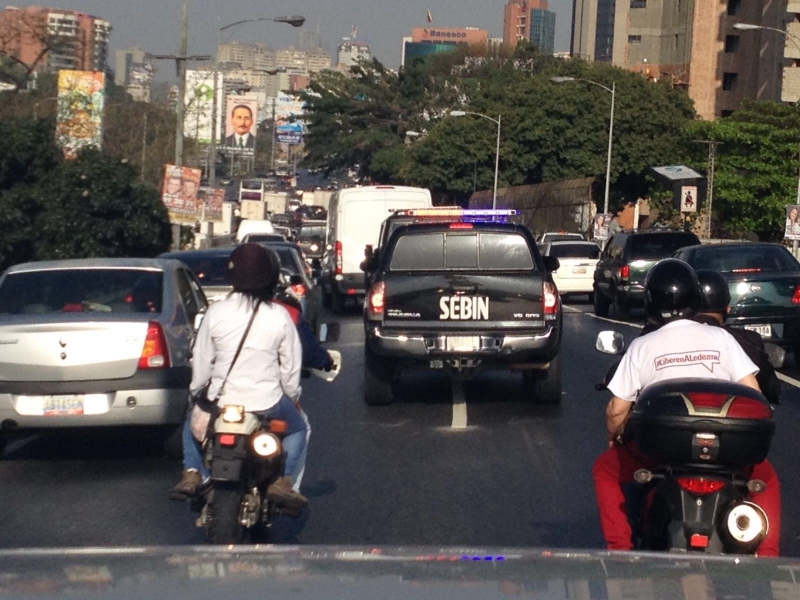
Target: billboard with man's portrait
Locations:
point(81, 96)
point(212, 199)
point(179, 193)
point(240, 124)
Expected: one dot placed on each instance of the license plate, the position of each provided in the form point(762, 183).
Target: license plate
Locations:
point(62, 405)
point(763, 330)
point(462, 343)
point(579, 270)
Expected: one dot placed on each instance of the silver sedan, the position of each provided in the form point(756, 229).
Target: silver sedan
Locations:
point(96, 342)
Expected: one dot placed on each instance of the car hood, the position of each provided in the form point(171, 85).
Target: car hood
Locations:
point(356, 573)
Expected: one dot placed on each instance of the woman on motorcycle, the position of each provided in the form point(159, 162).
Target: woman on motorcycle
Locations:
point(266, 376)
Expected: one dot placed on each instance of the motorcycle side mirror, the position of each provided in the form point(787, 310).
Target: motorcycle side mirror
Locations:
point(198, 319)
point(296, 279)
point(775, 355)
point(329, 332)
point(610, 342)
point(551, 263)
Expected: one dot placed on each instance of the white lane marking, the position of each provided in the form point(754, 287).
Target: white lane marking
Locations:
point(613, 321)
point(787, 379)
point(459, 405)
point(572, 309)
point(20, 444)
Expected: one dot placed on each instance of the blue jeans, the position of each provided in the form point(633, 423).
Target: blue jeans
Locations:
point(295, 441)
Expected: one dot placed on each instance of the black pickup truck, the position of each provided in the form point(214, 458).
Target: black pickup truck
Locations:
point(463, 297)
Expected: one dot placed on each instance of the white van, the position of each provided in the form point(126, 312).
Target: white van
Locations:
point(253, 226)
point(354, 222)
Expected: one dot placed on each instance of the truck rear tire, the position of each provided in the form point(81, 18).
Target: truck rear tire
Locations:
point(378, 375)
point(544, 387)
point(601, 304)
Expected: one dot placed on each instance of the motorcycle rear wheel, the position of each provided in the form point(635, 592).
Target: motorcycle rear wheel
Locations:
point(224, 509)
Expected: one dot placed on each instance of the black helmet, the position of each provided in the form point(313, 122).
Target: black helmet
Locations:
point(671, 290)
point(252, 268)
point(714, 293)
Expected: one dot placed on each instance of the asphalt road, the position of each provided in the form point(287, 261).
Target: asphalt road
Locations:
point(471, 465)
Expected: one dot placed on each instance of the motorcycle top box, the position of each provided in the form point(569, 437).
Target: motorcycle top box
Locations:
point(703, 422)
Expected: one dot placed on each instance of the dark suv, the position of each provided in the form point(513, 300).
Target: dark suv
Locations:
point(628, 255)
point(463, 297)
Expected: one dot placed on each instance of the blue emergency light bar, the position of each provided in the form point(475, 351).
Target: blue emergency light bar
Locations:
point(457, 212)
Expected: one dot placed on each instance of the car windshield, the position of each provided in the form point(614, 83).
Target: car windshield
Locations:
point(308, 233)
point(210, 270)
point(653, 246)
point(476, 251)
point(82, 290)
point(732, 259)
point(288, 258)
point(264, 237)
point(575, 251)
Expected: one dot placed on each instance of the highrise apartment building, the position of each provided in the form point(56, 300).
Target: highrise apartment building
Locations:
point(530, 20)
point(692, 43)
point(350, 52)
point(64, 39)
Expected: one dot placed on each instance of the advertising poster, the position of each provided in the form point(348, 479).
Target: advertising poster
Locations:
point(601, 226)
point(688, 198)
point(289, 124)
point(79, 123)
point(792, 231)
point(212, 199)
point(199, 102)
point(240, 124)
point(179, 193)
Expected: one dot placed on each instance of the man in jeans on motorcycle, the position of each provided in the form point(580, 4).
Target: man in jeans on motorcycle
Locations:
point(672, 293)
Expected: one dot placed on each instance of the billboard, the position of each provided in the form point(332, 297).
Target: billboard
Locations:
point(600, 230)
point(449, 35)
point(240, 124)
point(212, 199)
point(179, 193)
point(289, 126)
point(792, 231)
point(688, 198)
point(81, 96)
point(199, 102)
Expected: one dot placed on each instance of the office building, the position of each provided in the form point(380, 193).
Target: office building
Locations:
point(530, 20)
point(427, 41)
point(309, 40)
point(691, 43)
point(57, 39)
point(124, 61)
point(350, 52)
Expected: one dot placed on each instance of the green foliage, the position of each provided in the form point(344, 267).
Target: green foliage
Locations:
point(756, 172)
point(89, 207)
point(548, 132)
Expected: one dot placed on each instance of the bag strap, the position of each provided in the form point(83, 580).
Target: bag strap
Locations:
point(238, 351)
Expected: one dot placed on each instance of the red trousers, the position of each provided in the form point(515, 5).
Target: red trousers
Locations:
point(616, 467)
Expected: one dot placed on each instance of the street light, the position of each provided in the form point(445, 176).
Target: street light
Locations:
point(498, 120)
point(294, 21)
point(613, 91)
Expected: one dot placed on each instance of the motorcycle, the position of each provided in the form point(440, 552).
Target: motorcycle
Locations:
point(245, 456)
point(701, 439)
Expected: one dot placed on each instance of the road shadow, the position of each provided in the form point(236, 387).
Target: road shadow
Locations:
point(422, 387)
point(321, 488)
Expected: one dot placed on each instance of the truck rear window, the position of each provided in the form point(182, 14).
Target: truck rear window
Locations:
point(439, 251)
point(660, 245)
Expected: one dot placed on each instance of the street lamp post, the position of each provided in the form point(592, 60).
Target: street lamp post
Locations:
point(498, 121)
point(613, 91)
point(294, 21)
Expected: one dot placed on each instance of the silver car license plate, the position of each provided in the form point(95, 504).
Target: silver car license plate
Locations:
point(764, 331)
point(62, 405)
point(462, 343)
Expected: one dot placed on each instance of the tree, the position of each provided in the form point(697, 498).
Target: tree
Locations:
point(756, 173)
point(51, 208)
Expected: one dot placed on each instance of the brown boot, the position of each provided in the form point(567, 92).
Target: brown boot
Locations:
point(187, 487)
point(281, 493)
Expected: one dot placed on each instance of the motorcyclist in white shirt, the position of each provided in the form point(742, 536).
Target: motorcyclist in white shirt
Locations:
point(680, 348)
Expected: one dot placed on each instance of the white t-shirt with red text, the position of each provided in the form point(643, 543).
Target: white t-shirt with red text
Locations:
point(682, 348)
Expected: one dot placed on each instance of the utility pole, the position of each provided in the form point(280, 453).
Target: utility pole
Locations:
point(144, 144)
point(712, 153)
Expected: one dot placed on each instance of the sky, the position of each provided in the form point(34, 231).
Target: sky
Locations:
point(154, 25)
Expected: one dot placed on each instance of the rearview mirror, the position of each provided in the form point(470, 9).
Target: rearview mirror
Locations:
point(610, 342)
point(775, 355)
point(551, 263)
point(296, 279)
point(198, 319)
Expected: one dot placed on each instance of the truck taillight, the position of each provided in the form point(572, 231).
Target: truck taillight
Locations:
point(796, 295)
point(625, 272)
point(299, 290)
point(155, 354)
point(376, 301)
point(550, 301)
point(338, 258)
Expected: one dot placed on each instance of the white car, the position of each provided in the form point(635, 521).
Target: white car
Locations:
point(578, 259)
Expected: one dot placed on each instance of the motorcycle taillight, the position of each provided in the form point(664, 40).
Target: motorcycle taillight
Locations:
point(700, 486)
point(227, 439)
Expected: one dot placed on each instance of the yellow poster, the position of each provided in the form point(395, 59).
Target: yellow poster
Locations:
point(81, 96)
